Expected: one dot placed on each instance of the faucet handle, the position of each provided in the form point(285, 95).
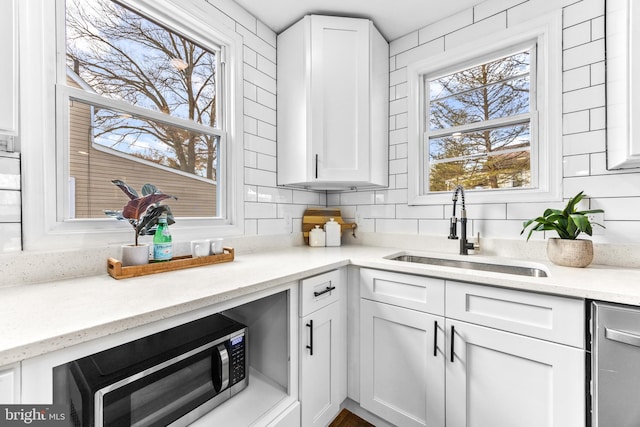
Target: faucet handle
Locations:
point(476, 245)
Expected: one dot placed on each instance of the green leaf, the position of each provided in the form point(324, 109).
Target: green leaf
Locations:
point(126, 188)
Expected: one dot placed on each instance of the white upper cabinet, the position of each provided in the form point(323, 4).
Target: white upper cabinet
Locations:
point(8, 71)
point(333, 98)
point(623, 96)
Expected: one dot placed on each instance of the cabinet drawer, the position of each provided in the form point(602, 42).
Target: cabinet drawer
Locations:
point(547, 317)
point(415, 292)
point(319, 291)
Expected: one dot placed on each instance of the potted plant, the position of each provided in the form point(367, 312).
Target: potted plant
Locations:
point(567, 250)
point(142, 212)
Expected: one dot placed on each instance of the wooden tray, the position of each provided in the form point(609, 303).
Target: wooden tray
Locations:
point(117, 271)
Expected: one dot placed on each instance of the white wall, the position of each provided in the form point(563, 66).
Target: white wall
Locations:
point(584, 140)
point(271, 210)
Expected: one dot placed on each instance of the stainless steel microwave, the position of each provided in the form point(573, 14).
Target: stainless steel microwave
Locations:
point(169, 378)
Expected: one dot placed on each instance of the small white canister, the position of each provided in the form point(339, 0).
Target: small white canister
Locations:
point(317, 237)
point(333, 231)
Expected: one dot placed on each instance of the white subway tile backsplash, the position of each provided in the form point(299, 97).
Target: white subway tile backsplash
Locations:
point(583, 143)
point(260, 210)
point(576, 165)
point(260, 79)
point(275, 195)
point(398, 106)
point(377, 211)
point(446, 26)
point(399, 136)
point(402, 120)
point(250, 159)
point(598, 73)
point(576, 35)
point(250, 91)
point(266, 33)
point(250, 193)
point(256, 43)
point(597, 28)
point(576, 78)
point(582, 11)
point(598, 118)
point(259, 144)
point(617, 208)
point(398, 76)
point(619, 185)
point(396, 197)
point(421, 52)
point(250, 57)
point(260, 112)
point(420, 212)
point(267, 130)
point(477, 30)
point(10, 209)
point(250, 125)
point(485, 211)
point(525, 11)
point(267, 162)
point(266, 66)
point(575, 123)
point(398, 166)
point(526, 211)
point(403, 43)
point(584, 54)
point(435, 227)
point(265, 98)
point(493, 7)
point(270, 227)
point(259, 177)
point(9, 173)
point(10, 237)
point(236, 12)
point(582, 99)
point(399, 226)
point(310, 198)
point(357, 198)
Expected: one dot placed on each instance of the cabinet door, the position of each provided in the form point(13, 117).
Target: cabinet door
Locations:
point(8, 71)
point(402, 364)
point(10, 385)
point(500, 379)
point(340, 78)
point(322, 365)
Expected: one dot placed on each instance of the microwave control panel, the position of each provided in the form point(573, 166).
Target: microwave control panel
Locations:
point(238, 370)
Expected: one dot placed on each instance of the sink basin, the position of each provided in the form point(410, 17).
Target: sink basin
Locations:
point(473, 265)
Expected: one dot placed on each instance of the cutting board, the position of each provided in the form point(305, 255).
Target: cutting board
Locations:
point(320, 216)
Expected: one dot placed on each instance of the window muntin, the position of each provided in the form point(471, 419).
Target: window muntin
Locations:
point(478, 124)
point(159, 105)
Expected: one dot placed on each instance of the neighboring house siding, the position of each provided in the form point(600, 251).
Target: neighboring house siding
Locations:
point(93, 173)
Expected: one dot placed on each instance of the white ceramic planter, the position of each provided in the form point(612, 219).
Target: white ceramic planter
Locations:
point(570, 253)
point(135, 255)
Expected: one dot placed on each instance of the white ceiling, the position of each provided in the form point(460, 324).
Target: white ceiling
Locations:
point(394, 18)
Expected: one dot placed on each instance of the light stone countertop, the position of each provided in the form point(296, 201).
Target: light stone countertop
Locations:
point(40, 318)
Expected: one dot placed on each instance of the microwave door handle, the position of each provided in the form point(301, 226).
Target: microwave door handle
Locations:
point(221, 355)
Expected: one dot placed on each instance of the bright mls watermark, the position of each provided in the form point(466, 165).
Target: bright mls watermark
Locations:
point(34, 415)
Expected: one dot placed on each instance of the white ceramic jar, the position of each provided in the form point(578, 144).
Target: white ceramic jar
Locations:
point(333, 230)
point(317, 237)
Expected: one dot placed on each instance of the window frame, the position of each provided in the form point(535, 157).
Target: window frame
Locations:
point(546, 135)
point(43, 225)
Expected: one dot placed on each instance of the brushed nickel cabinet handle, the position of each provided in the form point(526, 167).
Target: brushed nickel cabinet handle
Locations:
point(623, 337)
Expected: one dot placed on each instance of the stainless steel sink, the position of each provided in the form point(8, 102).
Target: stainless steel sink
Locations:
point(473, 265)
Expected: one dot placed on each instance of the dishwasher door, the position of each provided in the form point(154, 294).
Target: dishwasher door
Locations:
point(616, 365)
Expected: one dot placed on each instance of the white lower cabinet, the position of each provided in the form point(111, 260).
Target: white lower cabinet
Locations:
point(323, 355)
point(402, 364)
point(427, 369)
point(10, 384)
point(501, 379)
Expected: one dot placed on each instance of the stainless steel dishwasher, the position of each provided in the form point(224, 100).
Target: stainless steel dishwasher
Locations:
point(615, 365)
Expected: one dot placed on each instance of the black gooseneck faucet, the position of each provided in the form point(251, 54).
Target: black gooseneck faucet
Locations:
point(464, 244)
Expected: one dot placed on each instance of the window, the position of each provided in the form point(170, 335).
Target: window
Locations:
point(487, 118)
point(478, 133)
point(142, 92)
point(142, 106)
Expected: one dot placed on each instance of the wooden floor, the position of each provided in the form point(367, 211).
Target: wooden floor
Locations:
point(349, 419)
